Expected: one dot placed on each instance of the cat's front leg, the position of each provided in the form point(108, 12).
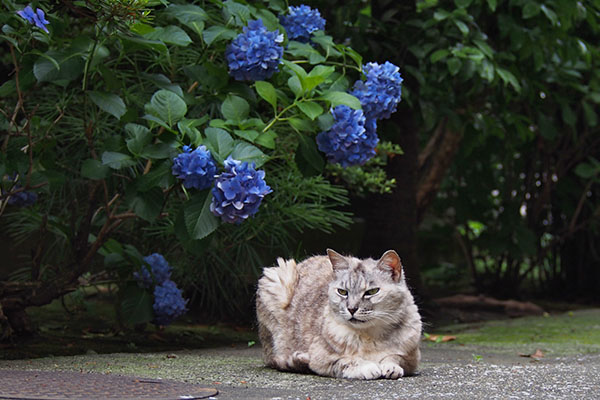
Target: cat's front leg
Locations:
point(362, 369)
point(346, 367)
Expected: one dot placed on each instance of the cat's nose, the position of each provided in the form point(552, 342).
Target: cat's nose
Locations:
point(352, 310)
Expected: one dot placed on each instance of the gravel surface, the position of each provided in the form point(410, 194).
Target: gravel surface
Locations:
point(448, 371)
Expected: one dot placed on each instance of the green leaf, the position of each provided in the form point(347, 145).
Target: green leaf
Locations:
point(508, 78)
point(109, 102)
point(235, 108)
point(171, 34)
point(342, 98)
point(135, 305)
point(462, 27)
point(586, 170)
point(94, 169)
point(219, 142)
point(295, 85)
point(267, 139)
point(167, 106)
point(267, 92)
point(199, 221)
point(492, 4)
point(216, 33)
point(309, 160)
point(190, 15)
point(439, 55)
point(568, 115)
point(117, 160)
point(530, 10)
point(591, 117)
point(302, 125)
point(296, 69)
point(550, 14)
point(159, 151)
point(454, 64)
point(310, 108)
point(244, 151)
point(249, 135)
point(59, 67)
point(147, 205)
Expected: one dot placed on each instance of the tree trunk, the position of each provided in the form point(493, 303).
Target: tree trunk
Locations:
point(391, 219)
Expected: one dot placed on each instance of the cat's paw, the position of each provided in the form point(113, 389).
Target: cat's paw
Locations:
point(300, 358)
point(364, 370)
point(390, 370)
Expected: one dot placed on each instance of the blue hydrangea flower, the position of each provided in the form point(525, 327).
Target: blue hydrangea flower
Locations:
point(352, 138)
point(161, 271)
point(381, 92)
point(168, 303)
point(197, 168)
point(238, 191)
point(301, 22)
point(254, 55)
point(23, 198)
point(37, 17)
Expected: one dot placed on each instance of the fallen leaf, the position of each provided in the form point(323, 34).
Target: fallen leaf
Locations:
point(171, 356)
point(438, 338)
point(535, 355)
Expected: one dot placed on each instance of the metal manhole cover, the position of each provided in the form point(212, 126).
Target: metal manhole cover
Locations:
point(48, 385)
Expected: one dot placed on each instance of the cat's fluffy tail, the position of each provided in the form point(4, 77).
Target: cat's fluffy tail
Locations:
point(277, 285)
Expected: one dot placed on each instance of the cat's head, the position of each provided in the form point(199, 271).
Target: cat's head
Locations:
point(367, 293)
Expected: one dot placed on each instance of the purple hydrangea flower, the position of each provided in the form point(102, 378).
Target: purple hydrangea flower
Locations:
point(161, 271)
point(381, 92)
point(255, 54)
point(168, 303)
point(37, 17)
point(197, 168)
point(301, 22)
point(23, 198)
point(238, 191)
point(352, 138)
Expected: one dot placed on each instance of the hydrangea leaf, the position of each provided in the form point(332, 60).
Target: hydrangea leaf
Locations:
point(167, 106)
point(310, 108)
point(267, 92)
point(267, 139)
point(216, 33)
point(341, 98)
point(190, 15)
point(109, 102)
point(244, 151)
point(171, 34)
point(235, 108)
point(199, 221)
point(116, 160)
point(135, 305)
point(309, 160)
point(219, 142)
point(94, 169)
point(249, 135)
point(147, 205)
point(295, 85)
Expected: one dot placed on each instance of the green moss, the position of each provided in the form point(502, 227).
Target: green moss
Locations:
point(572, 332)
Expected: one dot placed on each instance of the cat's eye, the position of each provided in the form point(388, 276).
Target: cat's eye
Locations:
point(372, 292)
point(342, 292)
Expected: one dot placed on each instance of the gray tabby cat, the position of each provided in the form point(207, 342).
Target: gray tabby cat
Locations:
point(339, 316)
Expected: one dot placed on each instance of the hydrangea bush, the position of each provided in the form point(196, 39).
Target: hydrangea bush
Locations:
point(190, 129)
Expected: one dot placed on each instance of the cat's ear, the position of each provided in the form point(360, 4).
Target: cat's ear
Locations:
point(390, 261)
point(338, 261)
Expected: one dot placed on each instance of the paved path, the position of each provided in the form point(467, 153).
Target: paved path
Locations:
point(448, 371)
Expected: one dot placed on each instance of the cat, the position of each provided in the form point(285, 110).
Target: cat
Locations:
point(339, 316)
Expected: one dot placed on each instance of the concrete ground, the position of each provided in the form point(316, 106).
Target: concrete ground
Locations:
point(448, 371)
